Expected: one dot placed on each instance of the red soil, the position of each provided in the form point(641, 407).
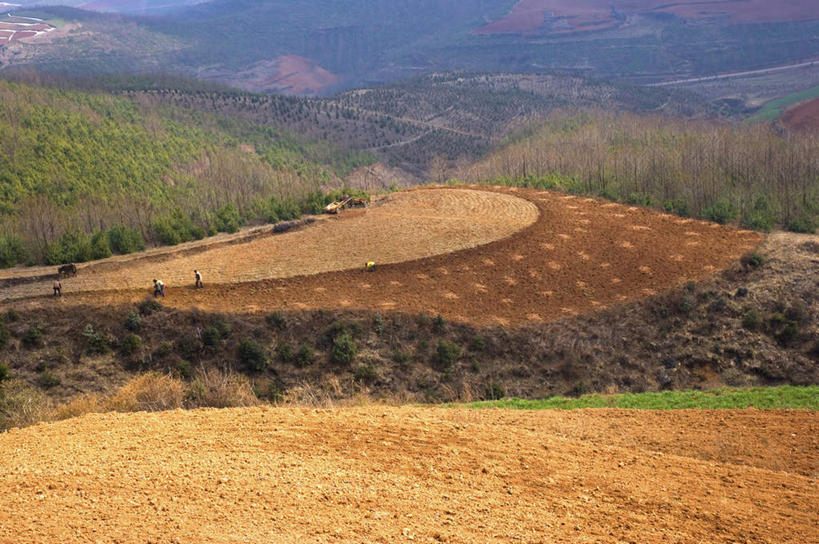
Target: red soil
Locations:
point(290, 74)
point(382, 474)
point(581, 255)
point(20, 27)
point(582, 15)
point(14, 31)
point(803, 116)
point(24, 34)
point(298, 75)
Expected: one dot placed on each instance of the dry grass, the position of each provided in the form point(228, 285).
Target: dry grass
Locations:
point(154, 392)
point(151, 392)
point(78, 406)
point(309, 394)
point(332, 393)
point(217, 389)
point(22, 405)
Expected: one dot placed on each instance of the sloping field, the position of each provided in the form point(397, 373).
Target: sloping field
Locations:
point(380, 474)
point(18, 28)
point(803, 117)
point(405, 226)
point(577, 255)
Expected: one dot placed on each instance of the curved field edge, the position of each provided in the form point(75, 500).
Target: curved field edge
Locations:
point(580, 256)
point(786, 397)
point(440, 223)
point(773, 109)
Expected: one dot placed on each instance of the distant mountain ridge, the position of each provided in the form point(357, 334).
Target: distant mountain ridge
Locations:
point(131, 7)
point(324, 46)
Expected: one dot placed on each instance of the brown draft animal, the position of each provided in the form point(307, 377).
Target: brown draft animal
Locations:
point(67, 270)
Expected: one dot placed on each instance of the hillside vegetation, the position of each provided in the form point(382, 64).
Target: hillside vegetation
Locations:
point(705, 169)
point(77, 164)
point(425, 125)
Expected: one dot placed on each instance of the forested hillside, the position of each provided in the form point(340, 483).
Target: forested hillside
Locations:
point(75, 165)
point(719, 171)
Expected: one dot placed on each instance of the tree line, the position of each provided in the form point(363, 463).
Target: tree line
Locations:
point(758, 175)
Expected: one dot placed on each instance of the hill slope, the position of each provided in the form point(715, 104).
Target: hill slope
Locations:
point(85, 161)
point(424, 125)
point(506, 308)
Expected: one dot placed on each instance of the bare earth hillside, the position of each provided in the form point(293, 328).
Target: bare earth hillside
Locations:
point(381, 474)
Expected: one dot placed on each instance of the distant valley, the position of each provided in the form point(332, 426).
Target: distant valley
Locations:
point(318, 48)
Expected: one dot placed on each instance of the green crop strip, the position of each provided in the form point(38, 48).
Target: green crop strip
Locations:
point(785, 397)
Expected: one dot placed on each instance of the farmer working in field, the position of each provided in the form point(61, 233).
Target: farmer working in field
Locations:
point(370, 266)
point(58, 288)
point(159, 288)
point(198, 277)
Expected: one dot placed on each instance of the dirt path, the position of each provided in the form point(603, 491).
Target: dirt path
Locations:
point(580, 255)
point(413, 475)
point(17, 273)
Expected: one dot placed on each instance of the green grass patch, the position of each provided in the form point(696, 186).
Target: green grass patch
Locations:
point(774, 108)
point(786, 397)
point(56, 22)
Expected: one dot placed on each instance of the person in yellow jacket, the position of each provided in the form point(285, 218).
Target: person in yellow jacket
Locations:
point(370, 266)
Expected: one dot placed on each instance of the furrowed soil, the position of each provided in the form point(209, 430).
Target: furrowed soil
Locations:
point(477, 255)
point(382, 474)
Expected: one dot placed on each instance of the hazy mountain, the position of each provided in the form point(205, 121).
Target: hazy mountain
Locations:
point(133, 7)
point(321, 46)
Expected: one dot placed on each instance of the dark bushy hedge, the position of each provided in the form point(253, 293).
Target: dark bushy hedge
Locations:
point(344, 349)
point(125, 240)
point(253, 355)
point(12, 251)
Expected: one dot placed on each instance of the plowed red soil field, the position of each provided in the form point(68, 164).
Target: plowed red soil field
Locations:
point(802, 117)
point(502, 256)
point(376, 474)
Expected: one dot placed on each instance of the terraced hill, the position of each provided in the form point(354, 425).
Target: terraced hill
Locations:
point(502, 256)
